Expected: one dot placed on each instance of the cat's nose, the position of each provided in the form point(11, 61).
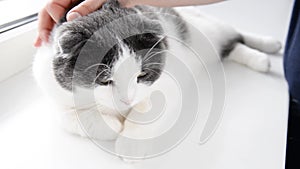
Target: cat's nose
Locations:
point(126, 101)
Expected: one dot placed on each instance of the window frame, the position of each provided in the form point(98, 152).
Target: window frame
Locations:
point(17, 50)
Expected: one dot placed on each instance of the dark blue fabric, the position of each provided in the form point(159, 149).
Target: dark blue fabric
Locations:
point(293, 137)
point(292, 74)
point(292, 54)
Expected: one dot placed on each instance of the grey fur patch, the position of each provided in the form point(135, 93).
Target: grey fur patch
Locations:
point(91, 37)
point(170, 14)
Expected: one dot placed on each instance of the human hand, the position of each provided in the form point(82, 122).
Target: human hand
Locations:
point(55, 9)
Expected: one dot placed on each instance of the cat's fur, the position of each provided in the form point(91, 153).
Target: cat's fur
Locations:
point(127, 72)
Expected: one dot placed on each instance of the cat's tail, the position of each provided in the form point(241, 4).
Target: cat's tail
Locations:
point(265, 44)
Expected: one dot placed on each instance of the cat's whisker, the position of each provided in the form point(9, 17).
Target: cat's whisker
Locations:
point(148, 64)
point(154, 54)
point(152, 70)
point(100, 74)
point(97, 64)
point(155, 45)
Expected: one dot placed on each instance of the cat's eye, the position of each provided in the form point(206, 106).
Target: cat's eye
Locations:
point(106, 82)
point(142, 74)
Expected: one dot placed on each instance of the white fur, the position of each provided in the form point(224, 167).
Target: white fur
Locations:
point(264, 44)
point(253, 58)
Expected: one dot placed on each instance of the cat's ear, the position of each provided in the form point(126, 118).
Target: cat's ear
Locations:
point(69, 41)
point(60, 41)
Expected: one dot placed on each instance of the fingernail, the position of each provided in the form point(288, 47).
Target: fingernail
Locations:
point(37, 43)
point(73, 15)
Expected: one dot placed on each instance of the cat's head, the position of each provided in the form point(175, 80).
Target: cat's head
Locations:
point(119, 74)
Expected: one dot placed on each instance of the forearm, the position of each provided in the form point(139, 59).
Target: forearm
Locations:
point(168, 3)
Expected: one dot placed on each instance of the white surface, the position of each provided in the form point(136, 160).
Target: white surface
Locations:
point(251, 135)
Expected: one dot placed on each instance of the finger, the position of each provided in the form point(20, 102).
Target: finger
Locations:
point(48, 16)
point(43, 36)
point(38, 42)
point(57, 8)
point(45, 26)
point(84, 8)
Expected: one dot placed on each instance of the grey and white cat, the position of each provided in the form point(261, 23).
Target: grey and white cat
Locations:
point(129, 70)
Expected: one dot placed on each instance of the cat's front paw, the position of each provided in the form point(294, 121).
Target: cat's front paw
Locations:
point(91, 124)
point(271, 45)
point(261, 63)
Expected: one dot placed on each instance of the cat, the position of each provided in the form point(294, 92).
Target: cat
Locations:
point(136, 61)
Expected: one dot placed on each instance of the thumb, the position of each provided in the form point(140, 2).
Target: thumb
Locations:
point(84, 8)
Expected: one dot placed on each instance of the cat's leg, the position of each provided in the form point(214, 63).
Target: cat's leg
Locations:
point(125, 144)
point(264, 44)
point(254, 59)
point(129, 145)
point(91, 123)
point(139, 136)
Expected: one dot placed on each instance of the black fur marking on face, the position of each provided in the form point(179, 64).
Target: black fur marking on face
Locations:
point(65, 70)
point(149, 49)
